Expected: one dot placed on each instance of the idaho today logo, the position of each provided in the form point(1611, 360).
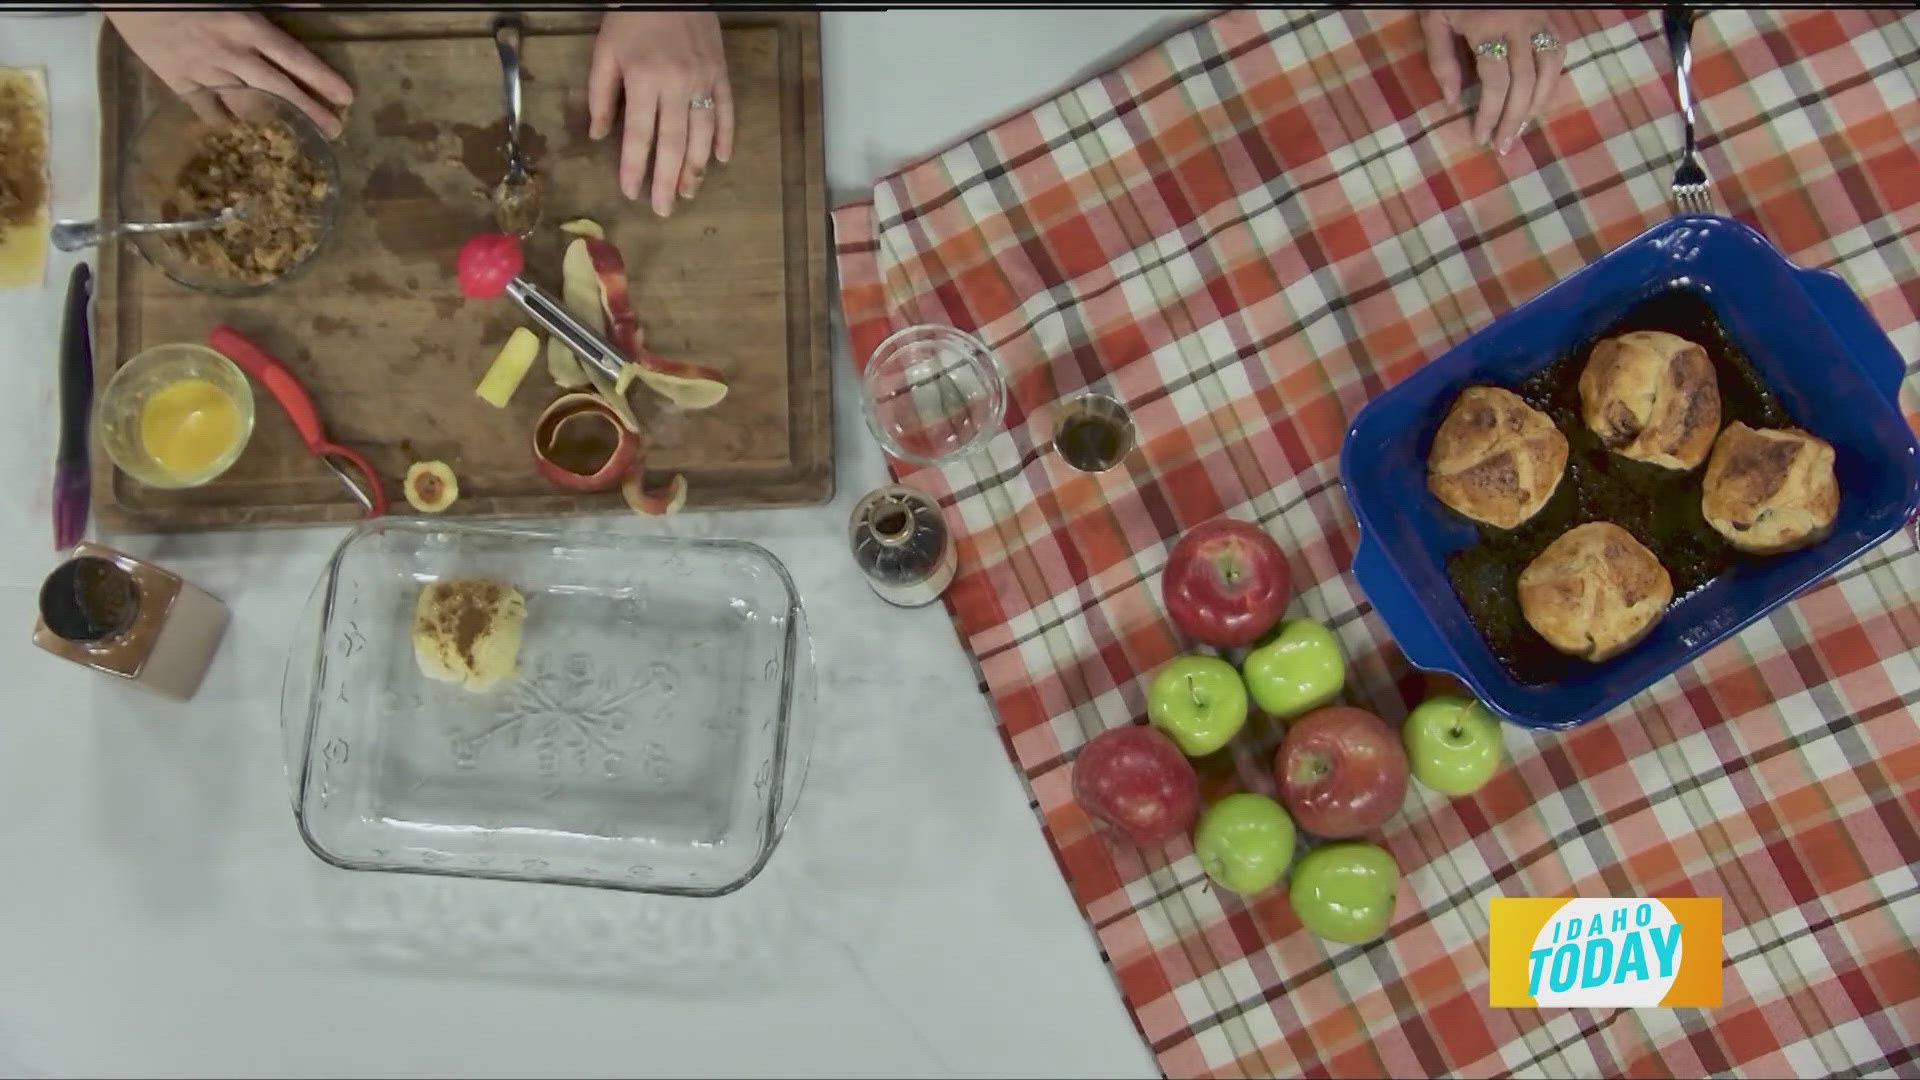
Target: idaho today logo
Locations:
point(1604, 952)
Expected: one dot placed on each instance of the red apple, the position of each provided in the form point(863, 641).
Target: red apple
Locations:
point(1138, 783)
point(1225, 583)
point(1342, 772)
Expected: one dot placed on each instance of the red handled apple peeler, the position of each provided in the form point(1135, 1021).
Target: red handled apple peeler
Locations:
point(272, 374)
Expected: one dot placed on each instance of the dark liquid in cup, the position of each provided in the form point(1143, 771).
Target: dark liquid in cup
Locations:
point(1092, 442)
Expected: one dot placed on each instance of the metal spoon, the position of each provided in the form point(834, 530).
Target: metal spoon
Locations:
point(516, 198)
point(75, 235)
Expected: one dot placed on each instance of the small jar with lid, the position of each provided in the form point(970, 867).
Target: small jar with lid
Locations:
point(106, 610)
point(903, 545)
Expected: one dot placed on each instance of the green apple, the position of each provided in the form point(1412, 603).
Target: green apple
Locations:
point(1344, 891)
point(1244, 842)
point(1453, 744)
point(1296, 670)
point(1199, 701)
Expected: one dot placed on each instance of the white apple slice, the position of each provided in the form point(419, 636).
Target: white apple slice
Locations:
point(509, 367)
point(566, 369)
point(699, 388)
point(563, 367)
point(654, 502)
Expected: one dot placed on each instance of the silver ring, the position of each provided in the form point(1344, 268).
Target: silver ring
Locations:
point(701, 102)
point(1494, 48)
point(1544, 41)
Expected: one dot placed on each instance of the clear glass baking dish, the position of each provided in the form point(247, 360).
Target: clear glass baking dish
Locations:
point(654, 738)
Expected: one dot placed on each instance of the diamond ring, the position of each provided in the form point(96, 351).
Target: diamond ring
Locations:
point(1494, 48)
point(1544, 41)
point(706, 102)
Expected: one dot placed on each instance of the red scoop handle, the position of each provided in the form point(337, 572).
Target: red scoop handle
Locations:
point(272, 374)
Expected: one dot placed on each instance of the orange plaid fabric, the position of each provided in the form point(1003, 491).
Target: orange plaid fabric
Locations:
point(1246, 233)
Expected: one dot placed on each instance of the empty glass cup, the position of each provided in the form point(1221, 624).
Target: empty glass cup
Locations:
point(933, 394)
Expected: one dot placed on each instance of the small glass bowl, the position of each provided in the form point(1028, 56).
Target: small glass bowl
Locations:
point(116, 413)
point(169, 137)
point(933, 394)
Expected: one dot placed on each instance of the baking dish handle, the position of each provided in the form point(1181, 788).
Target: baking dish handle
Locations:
point(1858, 329)
point(1394, 602)
point(297, 688)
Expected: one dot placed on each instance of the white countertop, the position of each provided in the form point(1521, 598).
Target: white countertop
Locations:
point(159, 915)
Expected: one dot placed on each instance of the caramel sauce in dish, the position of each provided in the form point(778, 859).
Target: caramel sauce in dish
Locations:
point(1659, 506)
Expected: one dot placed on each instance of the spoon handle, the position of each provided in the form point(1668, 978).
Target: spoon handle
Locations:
point(506, 39)
point(75, 235)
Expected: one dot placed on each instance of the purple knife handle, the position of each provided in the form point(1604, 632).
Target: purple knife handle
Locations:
point(70, 473)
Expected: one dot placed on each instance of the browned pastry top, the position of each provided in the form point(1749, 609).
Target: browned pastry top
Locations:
point(1770, 490)
point(1495, 458)
point(1652, 396)
point(1595, 591)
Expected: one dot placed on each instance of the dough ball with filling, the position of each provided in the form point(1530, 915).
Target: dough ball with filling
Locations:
point(1495, 458)
point(1595, 591)
point(1653, 397)
point(1770, 490)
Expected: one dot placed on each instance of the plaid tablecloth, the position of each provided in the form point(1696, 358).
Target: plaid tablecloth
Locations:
point(1246, 233)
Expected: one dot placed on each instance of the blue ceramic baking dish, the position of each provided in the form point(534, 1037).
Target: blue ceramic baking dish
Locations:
point(1807, 335)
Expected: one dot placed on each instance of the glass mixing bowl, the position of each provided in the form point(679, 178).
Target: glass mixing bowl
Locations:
point(168, 139)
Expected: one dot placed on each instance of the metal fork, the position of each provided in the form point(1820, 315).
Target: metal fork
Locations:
point(75, 235)
point(1689, 185)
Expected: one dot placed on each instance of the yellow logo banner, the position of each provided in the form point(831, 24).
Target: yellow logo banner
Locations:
point(1604, 952)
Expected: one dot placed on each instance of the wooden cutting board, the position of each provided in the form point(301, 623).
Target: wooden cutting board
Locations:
point(376, 328)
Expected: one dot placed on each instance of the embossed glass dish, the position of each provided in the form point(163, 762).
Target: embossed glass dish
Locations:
point(654, 737)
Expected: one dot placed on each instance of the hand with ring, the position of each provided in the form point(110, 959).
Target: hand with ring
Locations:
point(1516, 53)
point(668, 72)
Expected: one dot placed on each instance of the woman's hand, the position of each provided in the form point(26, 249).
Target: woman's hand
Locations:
point(671, 72)
point(191, 49)
point(1515, 87)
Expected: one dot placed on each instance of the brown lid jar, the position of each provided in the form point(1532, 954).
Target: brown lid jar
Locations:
point(106, 610)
